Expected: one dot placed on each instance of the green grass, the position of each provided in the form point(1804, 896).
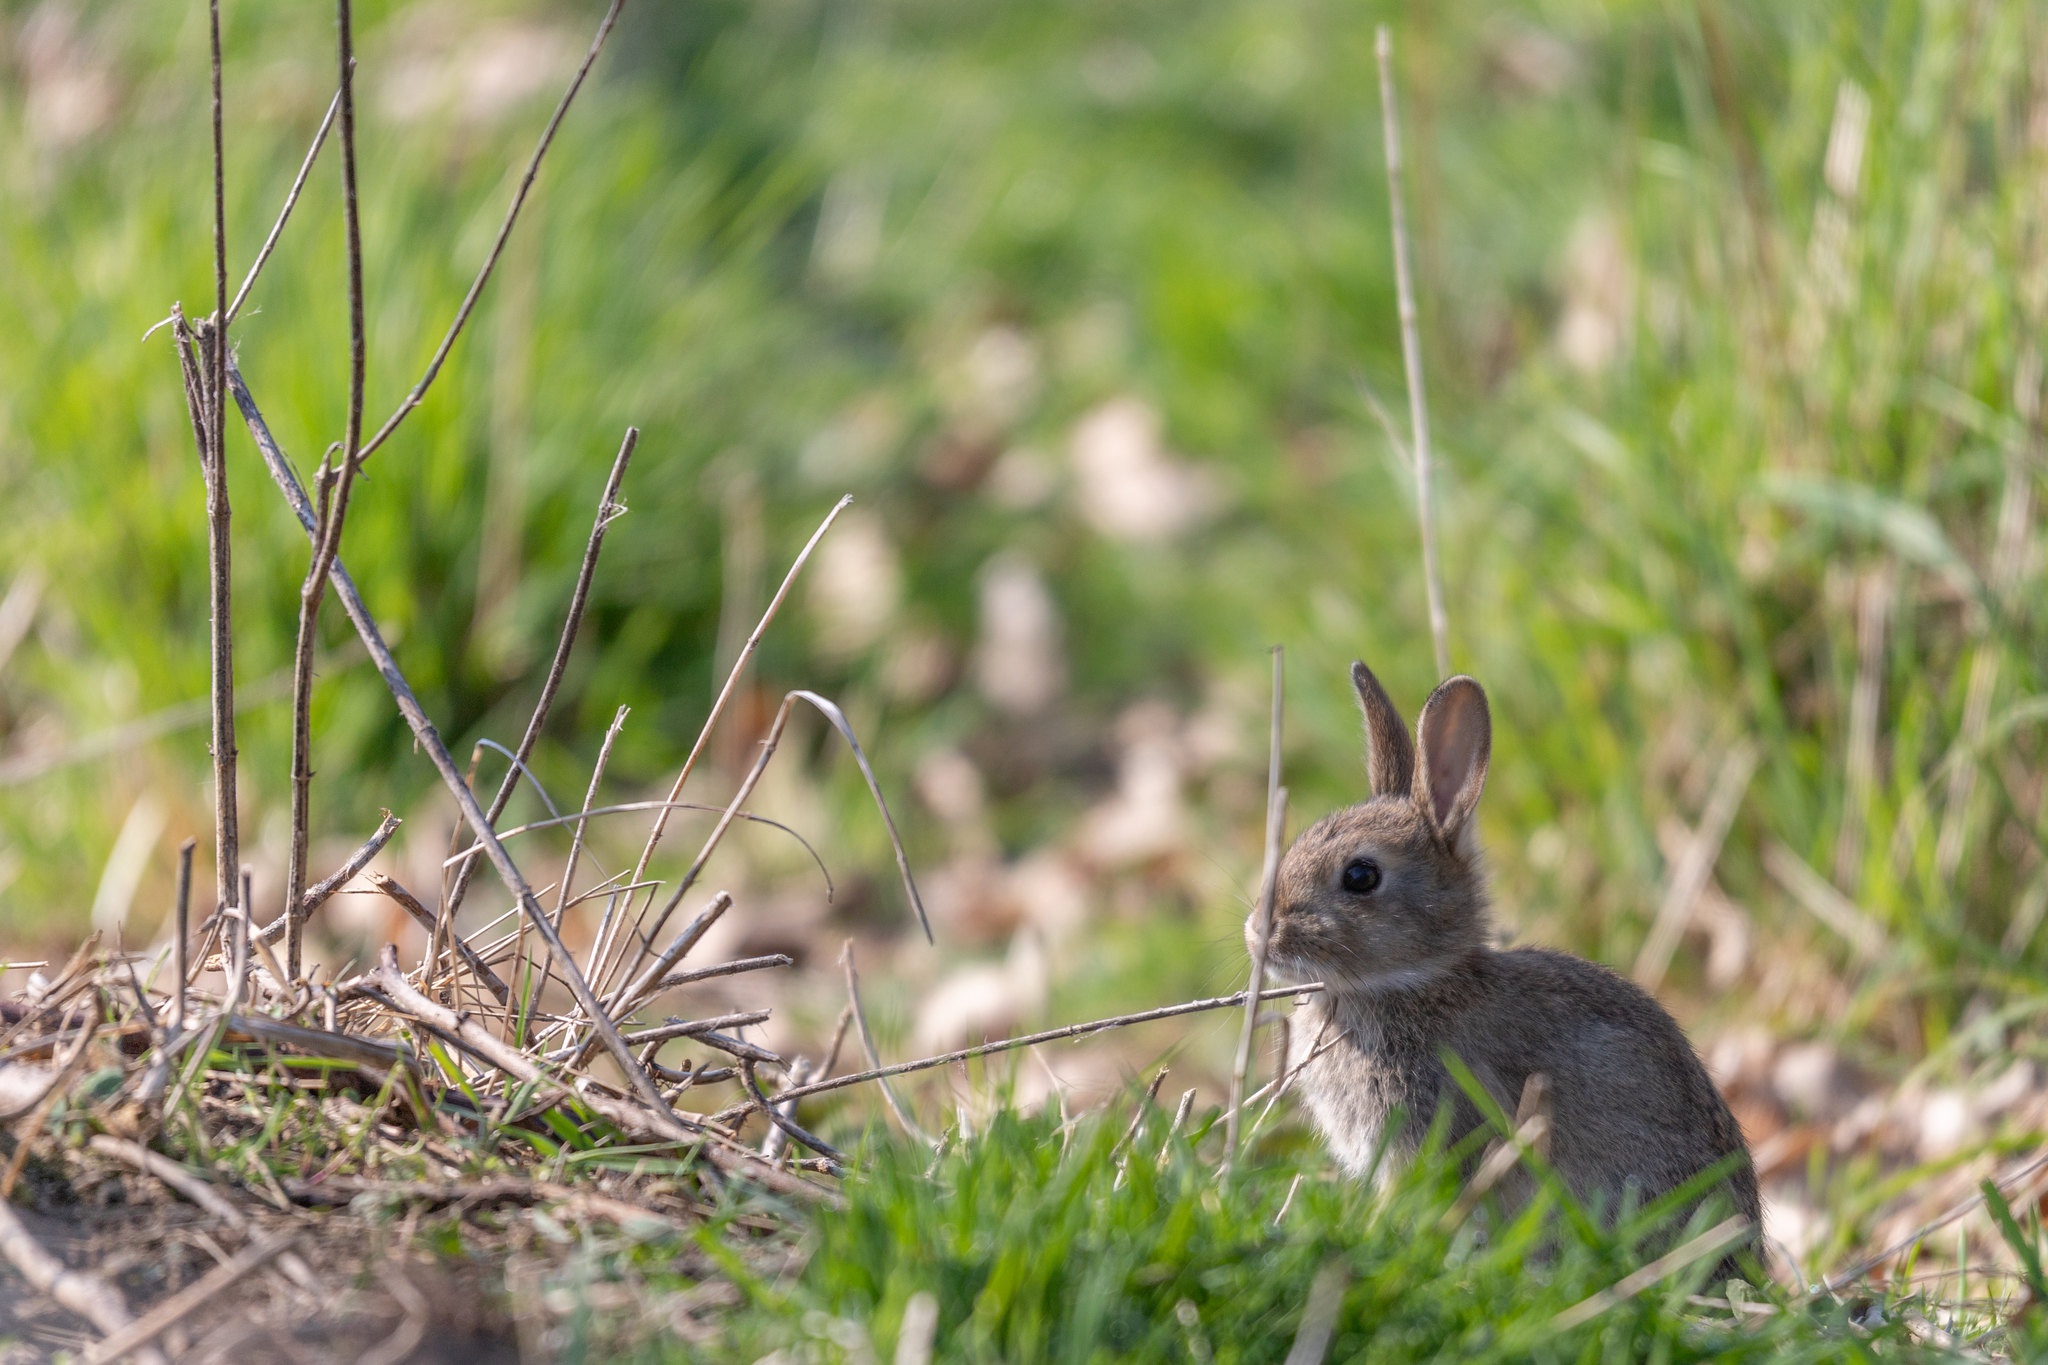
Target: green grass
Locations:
point(1043, 1244)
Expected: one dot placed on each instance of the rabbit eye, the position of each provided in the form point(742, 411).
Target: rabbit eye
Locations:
point(1361, 876)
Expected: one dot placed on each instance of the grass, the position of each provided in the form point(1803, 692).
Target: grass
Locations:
point(1042, 1242)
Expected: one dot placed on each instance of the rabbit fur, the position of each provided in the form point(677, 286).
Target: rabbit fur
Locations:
point(1385, 902)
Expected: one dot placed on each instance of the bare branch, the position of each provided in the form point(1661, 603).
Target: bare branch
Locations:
point(734, 968)
point(1262, 931)
point(629, 997)
point(483, 276)
point(604, 758)
point(1221, 1002)
point(333, 510)
point(873, 1054)
point(284, 214)
point(609, 509)
point(425, 918)
point(837, 718)
point(1411, 359)
point(623, 807)
point(180, 965)
point(89, 1296)
point(785, 1122)
point(732, 679)
point(318, 894)
point(429, 739)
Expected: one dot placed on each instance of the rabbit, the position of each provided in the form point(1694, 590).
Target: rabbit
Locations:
point(1386, 904)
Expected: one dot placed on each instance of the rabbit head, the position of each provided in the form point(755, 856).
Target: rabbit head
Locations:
point(1384, 893)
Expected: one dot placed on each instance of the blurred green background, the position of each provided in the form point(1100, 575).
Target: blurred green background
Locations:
point(1730, 313)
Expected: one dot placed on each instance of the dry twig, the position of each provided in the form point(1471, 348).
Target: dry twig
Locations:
point(334, 498)
point(429, 739)
point(320, 892)
point(181, 1305)
point(732, 682)
point(868, 1049)
point(1714, 1240)
point(483, 275)
point(87, 1295)
point(1220, 1002)
point(425, 918)
point(1262, 931)
point(284, 214)
point(1411, 359)
point(609, 510)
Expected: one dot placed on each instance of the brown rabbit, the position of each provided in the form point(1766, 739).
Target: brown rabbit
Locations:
point(1386, 904)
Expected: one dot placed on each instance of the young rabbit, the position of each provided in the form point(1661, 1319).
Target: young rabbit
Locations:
point(1385, 903)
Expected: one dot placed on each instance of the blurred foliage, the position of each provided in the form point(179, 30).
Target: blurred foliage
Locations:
point(1730, 314)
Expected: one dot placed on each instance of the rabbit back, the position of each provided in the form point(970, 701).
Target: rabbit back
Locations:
point(1631, 1107)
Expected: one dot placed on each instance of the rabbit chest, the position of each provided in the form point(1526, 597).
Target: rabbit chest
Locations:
point(1376, 1064)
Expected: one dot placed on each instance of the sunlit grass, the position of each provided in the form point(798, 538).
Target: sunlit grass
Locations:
point(1044, 1243)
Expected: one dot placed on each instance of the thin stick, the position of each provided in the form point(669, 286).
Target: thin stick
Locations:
point(1180, 1121)
point(1278, 1086)
point(732, 679)
point(1221, 1002)
point(185, 1302)
point(178, 1176)
point(656, 1120)
point(1325, 1301)
point(745, 964)
point(2006, 1185)
point(473, 1038)
point(609, 510)
point(1288, 1203)
point(784, 1120)
point(334, 505)
point(87, 1295)
point(604, 758)
point(483, 276)
point(1411, 359)
point(869, 1050)
point(227, 839)
point(1262, 924)
point(429, 739)
point(627, 997)
point(681, 1028)
point(1137, 1124)
point(319, 893)
point(1715, 1239)
point(838, 1041)
point(556, 821)
point(425, 918)
point(370, 1054)
point(235, 922)
point(290, 202)
point(1689, 876)
point(180, 963)
point(837, 718)
point(562, 901)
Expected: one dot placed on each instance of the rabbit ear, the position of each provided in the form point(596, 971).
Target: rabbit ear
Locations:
point(1389, 757)
point(1455, 738)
